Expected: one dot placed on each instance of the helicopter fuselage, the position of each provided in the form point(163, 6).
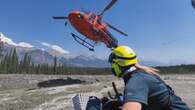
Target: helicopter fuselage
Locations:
point(91, 26)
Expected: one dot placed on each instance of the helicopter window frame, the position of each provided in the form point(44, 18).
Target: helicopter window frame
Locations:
point(92, 17)
point(99, 21)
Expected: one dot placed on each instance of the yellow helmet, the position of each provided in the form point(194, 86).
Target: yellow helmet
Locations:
point(122, 56)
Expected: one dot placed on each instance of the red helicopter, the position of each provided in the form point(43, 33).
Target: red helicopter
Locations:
point(92, 27)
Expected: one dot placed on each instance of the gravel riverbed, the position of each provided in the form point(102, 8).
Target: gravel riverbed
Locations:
point(54, 92)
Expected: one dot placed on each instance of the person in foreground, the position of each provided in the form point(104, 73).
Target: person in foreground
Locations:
point(144, 89)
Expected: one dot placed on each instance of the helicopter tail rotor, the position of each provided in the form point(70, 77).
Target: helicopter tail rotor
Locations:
point(117, 30)
point(108, 7)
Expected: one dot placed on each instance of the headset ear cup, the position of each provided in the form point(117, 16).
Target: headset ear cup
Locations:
point(116, 70)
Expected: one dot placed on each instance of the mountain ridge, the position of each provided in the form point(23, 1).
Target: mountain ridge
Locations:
point(45, 56)
point(42, 56)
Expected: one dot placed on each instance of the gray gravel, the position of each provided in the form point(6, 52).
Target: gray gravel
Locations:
point(25, 92)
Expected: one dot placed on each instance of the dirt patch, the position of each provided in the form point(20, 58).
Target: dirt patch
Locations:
point(59, 82)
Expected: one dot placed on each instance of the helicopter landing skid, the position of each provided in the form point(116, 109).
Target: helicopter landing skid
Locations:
point(83, 42)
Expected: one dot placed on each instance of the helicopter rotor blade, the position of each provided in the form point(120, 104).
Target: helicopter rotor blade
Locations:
point(60, 17)
point(108, 7)
point(117, 30)
point(193, 3)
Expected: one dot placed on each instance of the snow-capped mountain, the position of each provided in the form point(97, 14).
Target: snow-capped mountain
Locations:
point(48, 52)
point(46, 55)
point(9, 41)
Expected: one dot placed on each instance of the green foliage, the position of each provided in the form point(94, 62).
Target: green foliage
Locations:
point(179, 69)
point(10, 63)
point(14, 62)
point(55, 65)
point(25, 64)
point(1, 50)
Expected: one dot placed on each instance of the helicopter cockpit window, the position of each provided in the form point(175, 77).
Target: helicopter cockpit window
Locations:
point(92, 17)
point(80, 16)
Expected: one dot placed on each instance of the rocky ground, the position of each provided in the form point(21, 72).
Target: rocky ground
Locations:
point(54, 92)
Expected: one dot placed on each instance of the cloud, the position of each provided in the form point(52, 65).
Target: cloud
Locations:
point(54, 47)
point(24, 44)
point(9, 41)
point(45, 44)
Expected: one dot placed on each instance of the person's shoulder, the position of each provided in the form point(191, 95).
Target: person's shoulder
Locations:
point(139, 74)
point(146, 77)
point(143, 76)
point(137, 79)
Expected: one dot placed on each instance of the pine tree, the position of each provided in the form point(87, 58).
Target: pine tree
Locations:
point(25, 63)
point(38, 69)
point(14, 62)
point(1, 56)
point(4, 64)
point(1, 50)
point(32, 68)
point(9, 62)
point(55, 65)
point(28, 63)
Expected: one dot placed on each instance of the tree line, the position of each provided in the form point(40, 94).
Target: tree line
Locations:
point(10, 63)
point(178, 69)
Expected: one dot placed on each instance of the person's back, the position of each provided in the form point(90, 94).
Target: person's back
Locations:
point(144, 90)
point(152, 92)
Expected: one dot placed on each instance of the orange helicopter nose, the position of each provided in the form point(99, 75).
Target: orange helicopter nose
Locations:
point(75, 15)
